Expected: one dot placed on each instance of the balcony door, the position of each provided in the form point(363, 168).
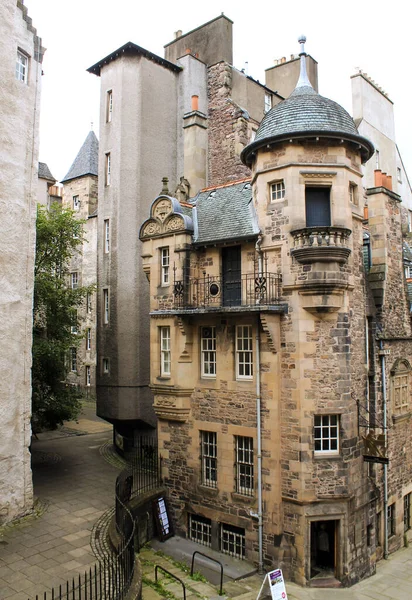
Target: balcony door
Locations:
point(231, 276)
point(317, 206)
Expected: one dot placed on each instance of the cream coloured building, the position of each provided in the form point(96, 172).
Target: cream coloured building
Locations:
point(20, 75)
point(281, 351)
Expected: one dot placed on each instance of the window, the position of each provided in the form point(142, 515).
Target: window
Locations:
point(105, 306)
point(268, 102)
point(366, 250)
point(378, 528)
point(88, 376)
point(73, 359)
point(109, 106)
point(106, 365)
point(165, 355)
point(407, 512)
point(208, 351)
point(165, 261)
point(74, 280)
point(244, 465)
point(244, 352)
point(326, 434)
point(22, 67)
point(200, 530)
point(399, 174)
point(76, 203)
point(317, 206)
point(400, 387)
point(353, 194)
point(378, 160)
point(391, 520)
point(106, 236)
point(232, 540)
point(88, 303)
point(208, 450)
point(73, 328)
point(252, 135)
point(277, 190)
point(108, 168)
point(88, 339)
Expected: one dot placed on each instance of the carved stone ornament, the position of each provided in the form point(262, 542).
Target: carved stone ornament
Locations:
point(162, 209)
point(174, 224)
point(151, 228)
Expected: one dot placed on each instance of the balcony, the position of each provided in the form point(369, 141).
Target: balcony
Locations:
point(321, 244)
point(248, 293)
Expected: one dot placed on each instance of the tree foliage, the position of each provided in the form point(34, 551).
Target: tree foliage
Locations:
point(59, 238)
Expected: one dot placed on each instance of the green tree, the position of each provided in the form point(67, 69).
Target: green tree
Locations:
point(55, 318)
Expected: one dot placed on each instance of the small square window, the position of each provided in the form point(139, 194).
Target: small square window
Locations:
point(76, 203)
point(22, 67)
point(232, 540)
point(200, 530)
point(105, 365)
point(326, 434)
point(277, 191)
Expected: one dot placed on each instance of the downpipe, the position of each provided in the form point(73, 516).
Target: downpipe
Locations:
point(385, 467)
point(259, 447)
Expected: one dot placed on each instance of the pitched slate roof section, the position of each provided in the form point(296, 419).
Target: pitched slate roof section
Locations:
point(224, 214)
point(44, 173)
point(306, 113)
point(87, 160)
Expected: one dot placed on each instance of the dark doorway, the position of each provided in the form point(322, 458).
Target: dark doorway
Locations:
point(323, 546)
point(232, 276)
point(317, 206)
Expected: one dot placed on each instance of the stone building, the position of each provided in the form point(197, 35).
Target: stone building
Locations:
point(80, 194)
point(20, 75)
point(47, 190)
point(281, 348)
point(185, 117)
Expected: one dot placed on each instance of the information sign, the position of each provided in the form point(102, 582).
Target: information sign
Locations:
point(277, 585)
point(164, 527)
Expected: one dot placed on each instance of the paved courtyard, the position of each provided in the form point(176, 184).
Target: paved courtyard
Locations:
point(74, 478)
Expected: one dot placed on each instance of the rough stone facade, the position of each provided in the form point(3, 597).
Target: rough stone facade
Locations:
point(20, 101)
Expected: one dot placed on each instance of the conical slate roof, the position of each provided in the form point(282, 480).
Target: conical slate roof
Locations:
point(87, 160)
point(306, 113)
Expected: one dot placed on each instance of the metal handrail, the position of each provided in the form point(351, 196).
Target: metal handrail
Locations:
point(214, 560)
point(173, 577)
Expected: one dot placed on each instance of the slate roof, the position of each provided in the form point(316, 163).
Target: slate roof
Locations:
point(224, 214)
point(306, 112)
point(87, 160)
point(44, 172)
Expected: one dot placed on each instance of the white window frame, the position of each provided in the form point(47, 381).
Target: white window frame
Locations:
point(165, 265)
point(200, 530)
point(326, 434)
point(73, 360)
point(165, 352)
point(109, 106)
point(22, 67)
point(105, 365)
point(106, 306)
point(208, 458)
point(76, 202)
point(108, 168)
point(88, 339)
point(74, 280)
point(106, 236)
point(277, 190)
point(353, 194)
point(268, 102)
point(244, 465)
point(244, 352)
point(208, 352)
point(88, 376)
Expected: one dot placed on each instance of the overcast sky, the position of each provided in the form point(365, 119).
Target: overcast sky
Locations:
point(371, 35)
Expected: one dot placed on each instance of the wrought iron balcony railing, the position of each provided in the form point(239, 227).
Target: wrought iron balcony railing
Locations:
point(217, 292)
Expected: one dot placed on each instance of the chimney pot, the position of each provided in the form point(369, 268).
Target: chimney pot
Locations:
point(178, 34)
point(195, 102)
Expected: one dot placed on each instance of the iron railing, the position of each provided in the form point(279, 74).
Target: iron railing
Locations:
point(212, 291)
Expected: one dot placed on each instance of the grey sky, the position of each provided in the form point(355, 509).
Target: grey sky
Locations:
point(368, 34)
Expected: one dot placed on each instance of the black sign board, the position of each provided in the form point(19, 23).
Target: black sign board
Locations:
point(163, 522)
point(381, 460)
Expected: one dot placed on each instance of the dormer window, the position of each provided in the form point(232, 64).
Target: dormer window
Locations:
point(268, 102)
point(317, 200)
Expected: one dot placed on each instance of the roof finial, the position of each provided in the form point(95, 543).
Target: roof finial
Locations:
point(303, 77)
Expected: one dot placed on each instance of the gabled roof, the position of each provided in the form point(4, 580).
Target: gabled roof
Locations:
point(132, 50)
point(224, 214)
point(44, 173)
point(87, 160)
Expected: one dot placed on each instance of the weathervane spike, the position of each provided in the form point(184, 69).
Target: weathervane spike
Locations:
point(303, 77)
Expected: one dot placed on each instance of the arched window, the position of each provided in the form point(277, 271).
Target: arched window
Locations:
point(400, 376)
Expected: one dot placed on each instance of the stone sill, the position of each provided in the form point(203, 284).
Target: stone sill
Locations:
point(327, 455)
point(402, 417)
point(236, 497)
point(208, 491)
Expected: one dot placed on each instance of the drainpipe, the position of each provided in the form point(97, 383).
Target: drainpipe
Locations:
point(385, 467)
point(259, 446)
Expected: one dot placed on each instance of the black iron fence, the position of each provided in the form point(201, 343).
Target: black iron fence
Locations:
point(212, 291)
